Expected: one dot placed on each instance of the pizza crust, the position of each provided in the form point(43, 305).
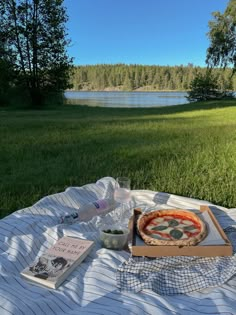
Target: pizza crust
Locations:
point(188, 216)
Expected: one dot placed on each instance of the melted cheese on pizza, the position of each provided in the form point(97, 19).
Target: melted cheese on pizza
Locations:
point(172, 228)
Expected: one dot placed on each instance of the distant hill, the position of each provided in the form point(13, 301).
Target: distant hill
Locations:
point(121, 77)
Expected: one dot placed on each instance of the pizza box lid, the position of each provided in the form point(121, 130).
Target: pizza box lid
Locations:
point(216, 242)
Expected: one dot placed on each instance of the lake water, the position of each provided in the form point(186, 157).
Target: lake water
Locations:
point(126, 99)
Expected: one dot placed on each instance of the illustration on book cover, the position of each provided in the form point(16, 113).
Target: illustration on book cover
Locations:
point(49, 267)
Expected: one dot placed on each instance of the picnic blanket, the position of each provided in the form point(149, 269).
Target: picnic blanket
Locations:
point(92, 287)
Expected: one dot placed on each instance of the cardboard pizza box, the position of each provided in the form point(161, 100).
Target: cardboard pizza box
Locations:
point(216, 242)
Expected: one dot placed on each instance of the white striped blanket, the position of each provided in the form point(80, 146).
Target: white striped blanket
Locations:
point(91, 288)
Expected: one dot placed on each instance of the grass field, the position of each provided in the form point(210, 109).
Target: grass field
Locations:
point(188, 150)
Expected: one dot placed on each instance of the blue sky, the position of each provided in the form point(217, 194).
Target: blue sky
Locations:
point(149, 32)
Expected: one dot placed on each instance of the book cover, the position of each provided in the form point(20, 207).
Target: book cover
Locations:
point(53, 266)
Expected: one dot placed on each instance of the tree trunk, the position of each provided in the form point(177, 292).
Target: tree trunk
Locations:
point(36, 97)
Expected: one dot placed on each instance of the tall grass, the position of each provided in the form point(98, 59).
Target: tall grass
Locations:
point(188, 150)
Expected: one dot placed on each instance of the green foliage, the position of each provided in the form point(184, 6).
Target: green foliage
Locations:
point(204, 87)
point(33, 36)
point(143, 78)
point(222, 34)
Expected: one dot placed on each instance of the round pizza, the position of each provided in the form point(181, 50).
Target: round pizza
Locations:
point(171, 227)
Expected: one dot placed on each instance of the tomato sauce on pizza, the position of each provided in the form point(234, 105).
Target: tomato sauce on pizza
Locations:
point(171, 227)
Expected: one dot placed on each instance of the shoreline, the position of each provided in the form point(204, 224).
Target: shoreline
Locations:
point(181, 91)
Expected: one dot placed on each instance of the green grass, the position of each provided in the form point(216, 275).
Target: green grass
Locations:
point(188, 150)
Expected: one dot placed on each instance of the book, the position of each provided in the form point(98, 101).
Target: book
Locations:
point(55, 264)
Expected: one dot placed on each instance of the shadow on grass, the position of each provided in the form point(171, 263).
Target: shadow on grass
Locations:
point(207, 105)
point(86, 110)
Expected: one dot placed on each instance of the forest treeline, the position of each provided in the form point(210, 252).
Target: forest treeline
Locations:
point(141, 77)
